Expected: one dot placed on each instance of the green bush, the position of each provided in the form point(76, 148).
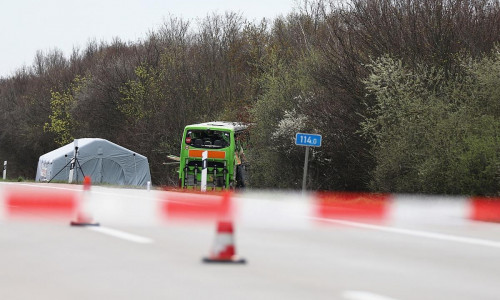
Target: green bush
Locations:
point(432, 131)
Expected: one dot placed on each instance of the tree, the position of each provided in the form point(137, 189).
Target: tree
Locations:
point(62, 121)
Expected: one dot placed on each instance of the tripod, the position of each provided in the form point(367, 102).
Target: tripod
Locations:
point(73, 162)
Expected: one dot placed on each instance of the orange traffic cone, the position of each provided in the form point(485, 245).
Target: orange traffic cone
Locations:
point(82, 217)
point(224, 250)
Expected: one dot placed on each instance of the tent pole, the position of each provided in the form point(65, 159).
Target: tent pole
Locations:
point(59, 171)
point(135, 171)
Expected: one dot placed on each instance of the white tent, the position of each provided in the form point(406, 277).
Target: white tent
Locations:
point(103, 161)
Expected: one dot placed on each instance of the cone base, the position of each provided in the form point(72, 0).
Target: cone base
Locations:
point(235, 260)
point(82, 224)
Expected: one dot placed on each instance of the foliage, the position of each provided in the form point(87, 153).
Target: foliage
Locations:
point(137, 102)
point(273, 155)
point(433, 133)
point(62, 104)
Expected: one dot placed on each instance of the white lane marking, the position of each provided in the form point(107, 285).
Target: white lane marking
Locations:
point(360, 295)
point(122, 235)
point(419, 233)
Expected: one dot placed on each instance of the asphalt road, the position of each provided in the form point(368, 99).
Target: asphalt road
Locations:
point(290, 256)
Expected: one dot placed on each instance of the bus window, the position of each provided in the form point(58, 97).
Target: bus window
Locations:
point(211, 139)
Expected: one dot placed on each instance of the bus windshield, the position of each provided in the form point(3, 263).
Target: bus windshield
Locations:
point(212, 139)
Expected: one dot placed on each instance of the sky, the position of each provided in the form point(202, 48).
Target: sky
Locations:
point(27, 26)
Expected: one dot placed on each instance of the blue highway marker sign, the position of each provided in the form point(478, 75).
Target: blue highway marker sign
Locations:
point(307, 139)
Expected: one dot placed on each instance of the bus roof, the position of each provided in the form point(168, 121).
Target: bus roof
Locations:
point(234, 126)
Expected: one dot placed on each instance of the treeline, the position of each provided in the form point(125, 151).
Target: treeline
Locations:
point(406, 95)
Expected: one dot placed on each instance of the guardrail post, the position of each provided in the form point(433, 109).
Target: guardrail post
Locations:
point(204, 157)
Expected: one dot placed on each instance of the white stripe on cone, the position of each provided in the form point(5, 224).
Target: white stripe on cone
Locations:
point(223, 242)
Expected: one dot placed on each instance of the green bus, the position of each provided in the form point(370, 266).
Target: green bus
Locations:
point(219, 140)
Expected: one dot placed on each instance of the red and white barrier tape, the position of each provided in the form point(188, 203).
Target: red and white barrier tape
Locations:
point(131, 206)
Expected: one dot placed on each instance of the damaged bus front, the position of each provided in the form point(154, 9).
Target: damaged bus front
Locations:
point(219, 140)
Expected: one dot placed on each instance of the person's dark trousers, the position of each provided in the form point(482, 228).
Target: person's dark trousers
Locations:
point(240, 176)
